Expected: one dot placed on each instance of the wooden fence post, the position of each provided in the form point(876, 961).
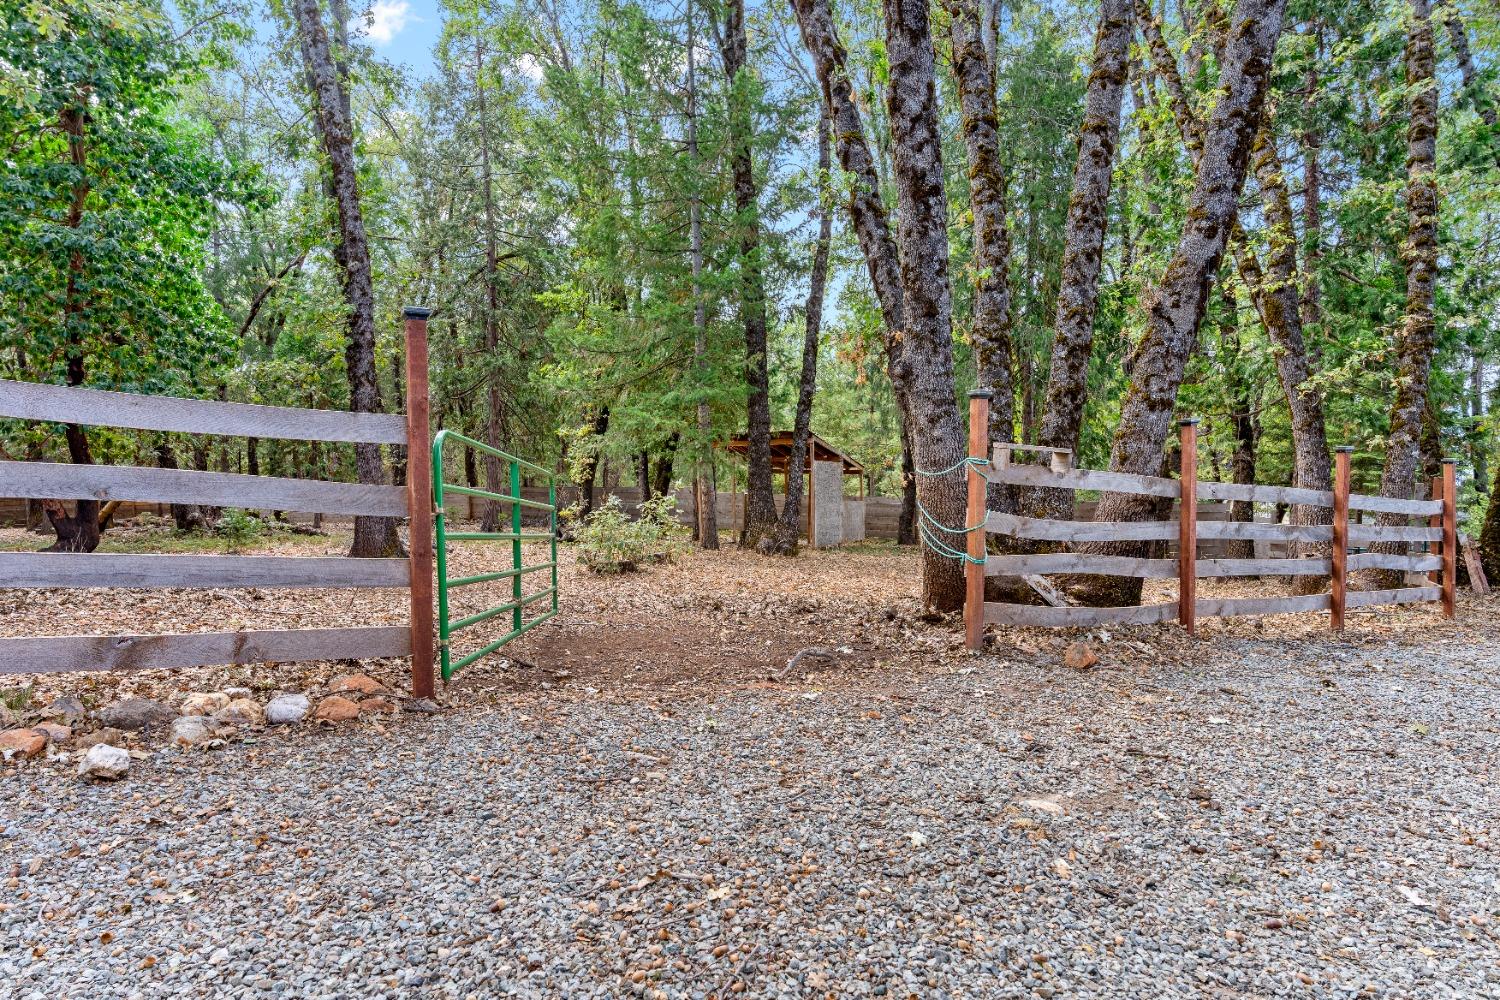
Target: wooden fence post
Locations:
point(979, 436)
point(419, 499)
point(1187, 528)
point(1450, 536)
point(1339, 578)
point(1435, 521)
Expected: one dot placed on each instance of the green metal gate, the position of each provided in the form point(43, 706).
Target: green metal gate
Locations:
point(519, 601)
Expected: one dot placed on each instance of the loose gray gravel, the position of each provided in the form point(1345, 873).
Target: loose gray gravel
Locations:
point(1304, 819)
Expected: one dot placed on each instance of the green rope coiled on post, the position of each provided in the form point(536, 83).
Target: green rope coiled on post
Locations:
point(925, 518)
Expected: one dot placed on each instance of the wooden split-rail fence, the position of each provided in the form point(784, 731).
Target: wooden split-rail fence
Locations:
point(40, 480)
point(1346, 541)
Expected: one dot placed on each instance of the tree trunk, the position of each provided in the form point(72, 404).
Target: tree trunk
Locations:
point(590, 475)
point(1458, 38)
point(867, 212)
point(1174, 309)
point(1083, 238)
point(906, 523)
point(990, 327)
point(185, 517)
point(1242, 416)
point(1311, 306)
point(927, 348)
point(373, 536)
point(760, 501)
point(1489, 538)
point(790, 525)
point(1417, 338)
point(661, 482)
point(1277, 299)
point(78, 532)
point(1280, 301)
point(705, 493)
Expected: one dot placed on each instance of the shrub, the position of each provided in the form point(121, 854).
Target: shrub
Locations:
point(237, 528)
point(610, 542)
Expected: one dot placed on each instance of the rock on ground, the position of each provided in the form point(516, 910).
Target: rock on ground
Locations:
point(336, 708)
point(287, 709)
point(104, 762)
point(204, 702)
point(241, 712)
point(191, 730)
point(66, 709)
point(24, 743)
point(136, 713)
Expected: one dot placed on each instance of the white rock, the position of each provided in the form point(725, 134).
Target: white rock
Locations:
point(237, 692)
point(287, 708)
point(1042, 806)
point(105, 762)
point(190, 730)
point(219, 957)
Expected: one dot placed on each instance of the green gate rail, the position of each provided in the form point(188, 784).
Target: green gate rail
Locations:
point(519, 601)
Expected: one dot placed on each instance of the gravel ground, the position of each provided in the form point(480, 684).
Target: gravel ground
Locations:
point(1245, 818)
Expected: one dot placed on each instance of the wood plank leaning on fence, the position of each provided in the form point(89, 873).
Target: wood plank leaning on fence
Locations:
point(1440, 534)
point(38, 480)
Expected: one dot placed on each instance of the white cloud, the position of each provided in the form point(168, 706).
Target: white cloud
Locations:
point(528, 66)
point(388, 19)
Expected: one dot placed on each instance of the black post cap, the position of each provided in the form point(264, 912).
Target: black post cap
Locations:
point(1187, 421)
point(1347, 449)
point(416, 312)
point(982, 394)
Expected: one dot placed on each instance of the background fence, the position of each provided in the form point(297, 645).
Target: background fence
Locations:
point(41, 480)
point(1438, 534)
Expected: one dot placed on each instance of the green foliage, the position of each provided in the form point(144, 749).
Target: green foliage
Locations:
point(610, 542)
point(17, 699)
point(107, 200)
point(238, 529)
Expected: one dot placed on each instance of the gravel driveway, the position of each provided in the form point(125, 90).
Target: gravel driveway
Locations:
point(1303, 819)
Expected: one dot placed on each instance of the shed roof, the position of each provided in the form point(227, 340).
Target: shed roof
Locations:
point(781, 451)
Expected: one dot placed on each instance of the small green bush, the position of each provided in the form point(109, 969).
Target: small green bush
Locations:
point(610, 542)
point(238, 529)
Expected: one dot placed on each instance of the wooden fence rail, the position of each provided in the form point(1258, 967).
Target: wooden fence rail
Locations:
point(41, 480)
point(1337, 538)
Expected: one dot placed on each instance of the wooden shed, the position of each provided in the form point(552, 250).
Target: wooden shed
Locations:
point(830, 518)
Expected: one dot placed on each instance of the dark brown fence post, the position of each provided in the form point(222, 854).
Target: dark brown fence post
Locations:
point(979, 436)
point(1187, 528)
point(1340, 566)
point(1450, 536)
point(419, 499)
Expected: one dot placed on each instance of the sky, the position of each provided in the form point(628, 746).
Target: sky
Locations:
point(401, 31)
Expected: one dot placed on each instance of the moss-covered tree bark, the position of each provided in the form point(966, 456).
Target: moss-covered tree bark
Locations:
point(373, 536)
point(1417, 338)
point(1083, 237)
point(760, 502)
point(1175, 307)
point(784, 541)
point(927, 347)
point(990, 323)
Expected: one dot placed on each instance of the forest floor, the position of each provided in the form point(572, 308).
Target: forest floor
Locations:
point(640, 799)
